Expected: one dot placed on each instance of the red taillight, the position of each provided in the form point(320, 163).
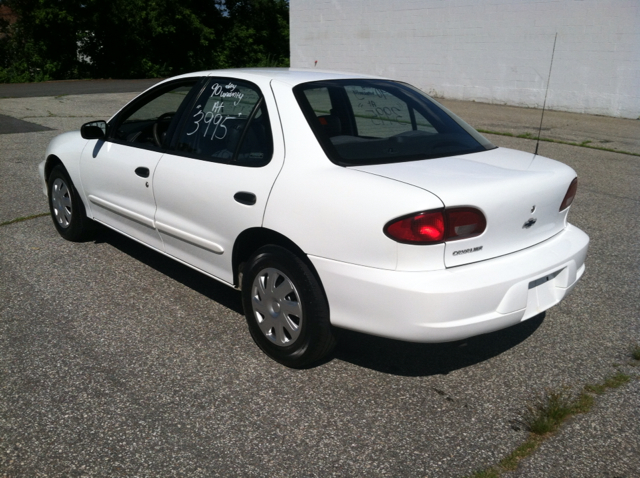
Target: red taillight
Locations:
point(423, 228)
point(464, 222)
point(431, 227)
point(571, 193)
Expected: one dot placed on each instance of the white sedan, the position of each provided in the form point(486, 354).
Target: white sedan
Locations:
point(329, 200)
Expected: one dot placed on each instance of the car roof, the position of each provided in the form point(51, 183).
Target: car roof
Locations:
point(292, 76)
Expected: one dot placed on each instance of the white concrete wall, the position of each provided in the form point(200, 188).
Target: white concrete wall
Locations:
point(493, 51)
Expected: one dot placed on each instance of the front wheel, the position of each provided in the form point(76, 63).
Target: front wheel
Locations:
point(67, 210)
point(285, 307)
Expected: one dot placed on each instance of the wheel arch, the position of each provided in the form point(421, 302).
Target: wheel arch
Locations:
point(73, 171)
point(250, 240)
point(51, 162)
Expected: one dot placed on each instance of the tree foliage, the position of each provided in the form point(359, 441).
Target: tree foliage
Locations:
point(64, 39)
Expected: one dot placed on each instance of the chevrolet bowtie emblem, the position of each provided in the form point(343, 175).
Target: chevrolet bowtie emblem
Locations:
point(529, 223)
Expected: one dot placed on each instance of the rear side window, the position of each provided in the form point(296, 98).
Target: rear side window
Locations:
point(228, 123)
point(319, 100)
point(360, 122)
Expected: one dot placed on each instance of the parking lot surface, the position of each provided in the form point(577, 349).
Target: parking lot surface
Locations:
point(116, 361)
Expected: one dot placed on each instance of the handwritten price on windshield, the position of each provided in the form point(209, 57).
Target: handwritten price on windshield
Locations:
point(209, 118)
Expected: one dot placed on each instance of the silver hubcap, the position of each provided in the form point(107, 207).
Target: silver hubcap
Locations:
point(61, 201)
point(276, 307)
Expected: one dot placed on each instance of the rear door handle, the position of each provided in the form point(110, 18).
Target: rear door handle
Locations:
point(244, 197)
point(142, 172)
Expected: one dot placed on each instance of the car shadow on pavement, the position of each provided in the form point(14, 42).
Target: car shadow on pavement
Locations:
point(197, 281)
point(415, 359)
point(384, 355)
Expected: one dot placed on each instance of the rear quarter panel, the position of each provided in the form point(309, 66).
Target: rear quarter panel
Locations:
point(335, 212)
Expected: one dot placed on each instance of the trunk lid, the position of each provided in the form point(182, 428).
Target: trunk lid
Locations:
point(519, 194)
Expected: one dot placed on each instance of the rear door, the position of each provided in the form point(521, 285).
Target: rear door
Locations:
point(216, 181)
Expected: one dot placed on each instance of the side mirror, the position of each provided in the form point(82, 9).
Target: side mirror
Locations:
point(94, 130)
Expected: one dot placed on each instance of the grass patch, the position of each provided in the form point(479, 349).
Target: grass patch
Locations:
point(635, 352)
point(615, 381)
point(584, 144)
point(510, 462)
point(25, 218)
point(490, 473)
point(544, 417)
point(548, 412)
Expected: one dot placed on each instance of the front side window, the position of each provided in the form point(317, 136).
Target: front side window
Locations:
point(228, 123)
point(360, 122)
point(146, 122)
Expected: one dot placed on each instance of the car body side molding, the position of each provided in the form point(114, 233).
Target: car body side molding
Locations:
point(185, 236)
point(134, 216)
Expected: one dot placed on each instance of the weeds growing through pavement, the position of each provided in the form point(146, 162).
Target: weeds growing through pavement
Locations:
point(548, 412)
point(25, 218)
point(544, 416)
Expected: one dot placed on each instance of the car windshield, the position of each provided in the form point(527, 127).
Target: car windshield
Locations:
point(360, 122)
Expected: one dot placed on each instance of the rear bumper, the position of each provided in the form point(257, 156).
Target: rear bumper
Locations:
point(455, 303)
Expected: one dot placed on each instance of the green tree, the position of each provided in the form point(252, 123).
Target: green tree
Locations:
point(62, 39)
point(154, 38)
point(42, 44)
point(258, 33)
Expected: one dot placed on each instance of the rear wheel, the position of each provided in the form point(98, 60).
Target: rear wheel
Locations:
point(286, 309)
point(67, 210)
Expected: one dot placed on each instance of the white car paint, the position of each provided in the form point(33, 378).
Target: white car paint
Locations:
point(454, 303)
point(336, 215)
point(196, 215)
point(119, 197)
point(507, 196)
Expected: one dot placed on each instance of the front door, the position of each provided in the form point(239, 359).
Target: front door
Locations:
point(118, 173)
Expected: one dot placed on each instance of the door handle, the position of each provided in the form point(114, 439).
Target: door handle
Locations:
point(142, 172)
point(244, 197)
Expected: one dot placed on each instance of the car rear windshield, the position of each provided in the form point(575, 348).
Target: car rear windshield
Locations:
point(360, 122)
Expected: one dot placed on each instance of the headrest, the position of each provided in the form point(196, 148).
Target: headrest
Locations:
point(330, 124)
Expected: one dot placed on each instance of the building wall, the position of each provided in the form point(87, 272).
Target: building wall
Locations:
point(493, 51)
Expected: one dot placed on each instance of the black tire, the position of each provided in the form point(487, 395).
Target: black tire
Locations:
point(286, 308)
point(67, 211)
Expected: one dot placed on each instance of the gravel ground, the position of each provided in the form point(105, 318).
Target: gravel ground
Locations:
point(116, 361)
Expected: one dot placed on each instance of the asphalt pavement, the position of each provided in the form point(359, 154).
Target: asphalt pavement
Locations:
point(73, 87)
point(116, 361)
